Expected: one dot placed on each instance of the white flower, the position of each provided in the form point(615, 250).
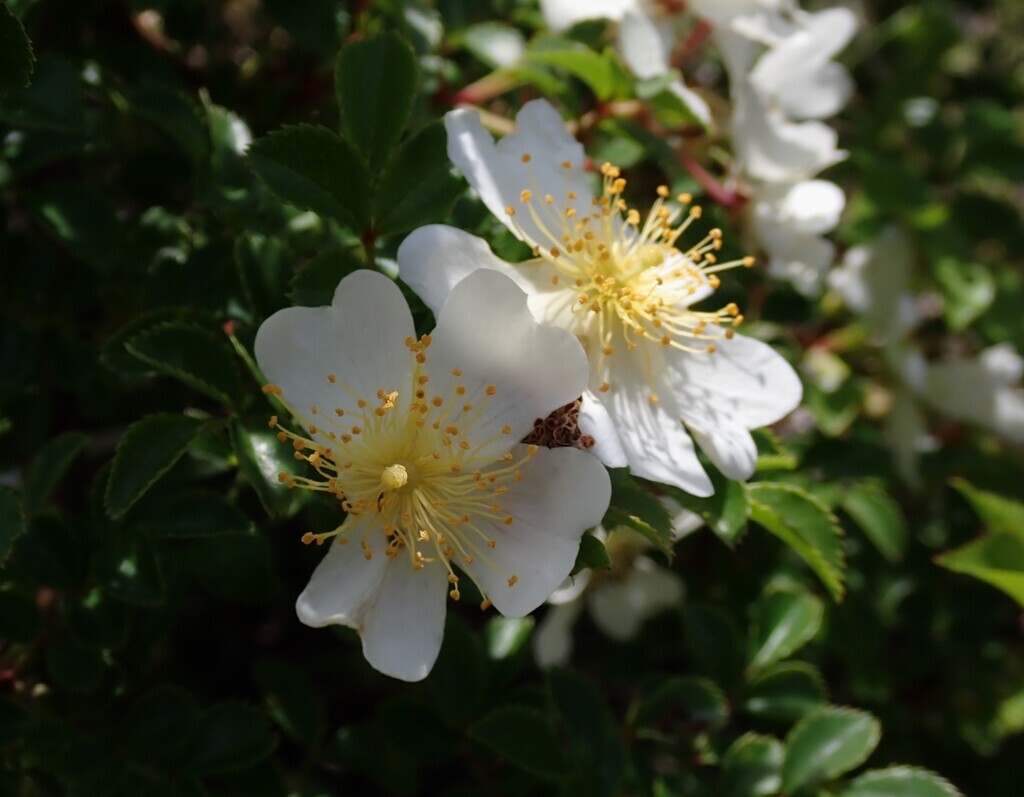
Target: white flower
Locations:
point(417, 439)
point(660, 370)
point(619, 601)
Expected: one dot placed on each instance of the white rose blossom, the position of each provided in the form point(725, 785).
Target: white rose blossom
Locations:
point(983, 390)
point(662, 373)
point(418, 441)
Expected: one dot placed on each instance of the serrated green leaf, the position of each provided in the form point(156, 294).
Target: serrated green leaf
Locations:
point(694, 703)
point(192, 354)
point(416, 184)
point(129, 569)
point(16, 58)
point(314, 284)
point(998, 512)
point(12, 522)
point(592, 555)
point(314, 169)
point(291, 700)
point(823, 745)
point(177, 116)
point(785, 691)
point(49, 467)
point(193, 513)
point(117, 359)
point(752, 767)
point(81, 218)
point(714, 641)
point(784, 621)
point(967, 288)
point(229, 737)
point(375, 80)
point(523, 736)
point(879, 517)
point(725, 512)
point(635, 507)
point(805, 524)
point(996, 559)
point(900, 782)
point(147, 451)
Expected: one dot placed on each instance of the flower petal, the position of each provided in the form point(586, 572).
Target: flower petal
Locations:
point(619, 608)
point(345, 584)
point(562, 14)
point(405, 625)
point(359, 338)
point(730, 447)
point(486, 331)
point(975, 390)
point(644, 48)
point(552, 641)
point(532, 158)
point(656, 444)
point(563, 492)
point(595, 421)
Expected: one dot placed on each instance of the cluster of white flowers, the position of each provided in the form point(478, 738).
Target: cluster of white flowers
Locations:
point(421, 439)
point(984, 390)
point(783, 82)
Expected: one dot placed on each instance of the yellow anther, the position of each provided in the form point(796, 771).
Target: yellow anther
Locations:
point(491, 390)
point(748, 261)
point(272, 390)
point(506, 429)
point(526, 157)
point(608, 351)
point(525, 195)
point(511, 211)
point(663, 191)
point(513, 580)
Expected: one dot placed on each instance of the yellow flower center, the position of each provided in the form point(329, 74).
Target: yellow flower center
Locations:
point(631, 275)
point(412, 467)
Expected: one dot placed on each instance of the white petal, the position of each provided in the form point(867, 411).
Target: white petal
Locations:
point(359, 338)
point(571, 588)
point(595, 421)
point(552, 641)
point(818, 94)
point(972, 390)
point(562, 14)
point(499, 174)
point(563, 492)
point(344, 584)
point(486, 330)
point(776, 150)
point(800, 258)
point(905, 432)
point(653, 437)
point(643, 46)
point(745, 383)
point(698, 105)
point(405, 625)
point(810, 206)
point(619, 608)
point(730, 447)
point(432, 259)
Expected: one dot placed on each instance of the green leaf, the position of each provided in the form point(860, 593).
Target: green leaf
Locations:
point(999, 513)
point(597, 751)
point(696, 703)
point(416, 184)
point(900, 782)
point(51, 552)
point(261, 457)
point(129, 569)
point(230, 736)
point(117, 359)
point(80, 218)
point(879, 517)
point(636, 508)
point(159, 723)
point(291, 701)
point(523, 736)
point(147, 451)
point(968, 290)
point(827, 743)
point(786, 691)
point(192, 354)
point(265, 267)
point(314, 169)
point(314, 284)
point(725, 512)
point(177, 116)
point(996, 559)
point(805, 524)
point(601, 72)
point(12, 522)
point(376, 79)
point(50, 465)
point(193, 513)
point(234, 567)
point(714, 642)
point(784, 621)
point(752, 767)
point(16, 58)
point(504, 637)
point(592, 555)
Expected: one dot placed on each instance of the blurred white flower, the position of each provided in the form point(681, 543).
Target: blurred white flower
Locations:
point(418, 441)
point(619, 600)
point(983, 390)
point(660, 370)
